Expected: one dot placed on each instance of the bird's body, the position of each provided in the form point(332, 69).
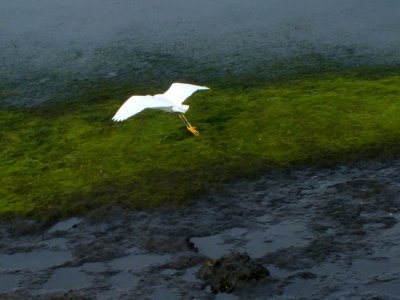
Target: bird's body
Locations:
point(170, 101)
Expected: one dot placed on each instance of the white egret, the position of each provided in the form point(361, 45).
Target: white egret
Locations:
point(170, 101)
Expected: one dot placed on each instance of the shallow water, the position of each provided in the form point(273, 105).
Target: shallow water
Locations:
point(8, 283)
point(255, 242)
point(123, 281)
point(162, 292)
point(65, 225)
point(137, 261)
point(34, 260)
point(94, 267)
point(45, 46)
point(273, 237)
point(65, 279)
point(57, 243)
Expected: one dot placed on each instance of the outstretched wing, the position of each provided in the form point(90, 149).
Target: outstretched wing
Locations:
point(136, 104)
point(179, 92)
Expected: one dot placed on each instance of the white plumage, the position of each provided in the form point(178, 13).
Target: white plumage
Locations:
point(170, 101)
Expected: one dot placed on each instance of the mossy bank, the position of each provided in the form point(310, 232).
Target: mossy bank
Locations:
point(69, 157)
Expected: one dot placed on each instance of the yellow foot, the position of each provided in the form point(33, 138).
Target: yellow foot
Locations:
point(193, 130)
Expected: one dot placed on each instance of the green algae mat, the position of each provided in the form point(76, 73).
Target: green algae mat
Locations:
point(69, 157)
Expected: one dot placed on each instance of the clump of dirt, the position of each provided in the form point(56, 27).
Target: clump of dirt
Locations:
point(228, 272)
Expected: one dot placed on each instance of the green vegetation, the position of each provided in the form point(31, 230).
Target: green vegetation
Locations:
point(68, 158)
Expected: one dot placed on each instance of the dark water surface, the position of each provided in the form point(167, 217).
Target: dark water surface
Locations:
point(47, 44)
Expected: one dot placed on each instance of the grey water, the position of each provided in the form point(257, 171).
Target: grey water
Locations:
point(34, 260)
point(65, 279)
point(8, 282)
point(137, 261)
point(65, 225)
point(255, 242)
point(47, 45)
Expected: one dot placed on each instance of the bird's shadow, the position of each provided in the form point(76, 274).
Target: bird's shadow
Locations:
point(180, 134)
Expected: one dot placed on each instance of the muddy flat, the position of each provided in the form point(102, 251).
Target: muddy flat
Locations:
point(321, 233)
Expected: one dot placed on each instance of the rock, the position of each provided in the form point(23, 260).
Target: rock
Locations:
point(305, 275)
point(229, 271)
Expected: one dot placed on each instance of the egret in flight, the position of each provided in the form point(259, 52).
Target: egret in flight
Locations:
point(170, 101)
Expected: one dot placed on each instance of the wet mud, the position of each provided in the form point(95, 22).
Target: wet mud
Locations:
point(319, 233)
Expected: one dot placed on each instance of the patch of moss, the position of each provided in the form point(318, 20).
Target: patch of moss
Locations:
point(68, 158)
